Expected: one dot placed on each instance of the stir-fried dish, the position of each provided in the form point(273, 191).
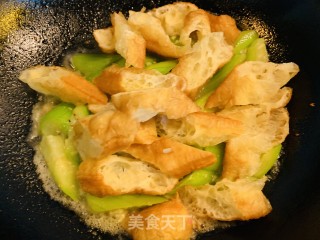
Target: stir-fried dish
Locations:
point(169, 131)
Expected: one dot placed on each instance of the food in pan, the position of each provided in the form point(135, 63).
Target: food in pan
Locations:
point(167, 132)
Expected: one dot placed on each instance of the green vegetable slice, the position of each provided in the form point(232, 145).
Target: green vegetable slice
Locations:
point(90, 65)
point(62, 168)
point(121, 62)
point(218, 78)
point(218, 151)
point(109, 203)
point(175, 39)
point(150, 59)
point(163, 67)
point(268, 159)
point(79, 112)
point(257, 51)
point(56, 121)
point(244, 40)
point(197, 178)
point(71, 152)
point(205, 175)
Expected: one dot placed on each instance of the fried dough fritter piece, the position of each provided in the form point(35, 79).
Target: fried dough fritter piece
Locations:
point(62, 83)
point(200, 129)
point(225, 24)
point(263, 131)
point(105, 39)
point(172, 16)
point(115, 79)
point(175, 212)
point(117, 175)
point(171, 157)
point(255, 82)
point(128, 43)
point(157, 40)
point(144, 104)
point(196, 27)
point(227, 200)
point(206, 57)
point(104, 133)
point(147, 132)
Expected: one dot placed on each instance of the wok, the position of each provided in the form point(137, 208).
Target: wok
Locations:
point(46, 30)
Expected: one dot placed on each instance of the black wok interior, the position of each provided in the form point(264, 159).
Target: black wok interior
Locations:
point(49, 29)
